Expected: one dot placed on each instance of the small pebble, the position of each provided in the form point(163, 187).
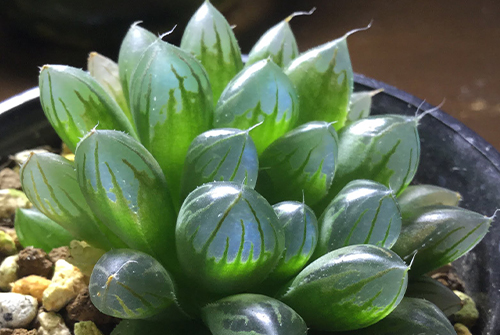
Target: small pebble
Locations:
point(59, 253)
point(9, 179)
point(10, 200)
point(12, 233)
point(18, 331)
point(82, 309)
point(7, 244)
point(8, 272)
point(34, 261)
point(66, 283)
point(31, 285)
point(469, 314)
point(84, 256)
point(51, 324)
point(461, 329)
point(17, 310)
point(86, 328)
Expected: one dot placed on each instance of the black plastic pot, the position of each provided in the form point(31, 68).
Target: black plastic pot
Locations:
point(452, 156)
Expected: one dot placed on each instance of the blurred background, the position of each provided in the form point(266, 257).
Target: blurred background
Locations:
point(435, 50)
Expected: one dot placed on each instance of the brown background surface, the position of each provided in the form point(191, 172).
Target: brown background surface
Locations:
point(446, 49)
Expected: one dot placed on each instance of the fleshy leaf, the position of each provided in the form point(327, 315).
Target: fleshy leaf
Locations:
point(382, 148)
point(228, 237)
point(364, 212)
point(30, 225)
point(135, 42)
point(51, 185)
point(323, 78)
point(439, 235)
point(209, 37)
point(220, 155)
point(259, 93)
point(415, 197)
point(348, 288)
point(360, 105)
point(171, 102)
point(74, 103)
point(106, 72)
point(252, 314)
point(278, 43)
point(129, 284)
point(126, 189)
point(300, 226)
point(300, 164)
point(433, 291)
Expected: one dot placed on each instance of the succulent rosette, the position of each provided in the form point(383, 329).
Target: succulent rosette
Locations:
point(231, 199)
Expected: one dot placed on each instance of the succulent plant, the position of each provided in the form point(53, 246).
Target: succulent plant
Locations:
point(204, 181)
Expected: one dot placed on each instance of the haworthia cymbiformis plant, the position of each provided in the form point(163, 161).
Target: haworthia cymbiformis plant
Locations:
point(382, 148)
point(252, 314)
point(360, 105)
point(30, 224)
point(300, 164)
point(228, 237)
point(364, 212)
point(169, 87)
point(209, 37)
point(259, 93)
point(225, 154)
point(74, 103)
point(124, 186)
point(439, 235)
point(348, 288)
point(51, 184)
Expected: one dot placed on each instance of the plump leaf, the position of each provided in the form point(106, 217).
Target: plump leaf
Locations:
point(278, 43)
point(411, 317)
point(220, 155)
point(171, 102)
point(348, 288)
point(415, 197)
point(50, 183)
point(383, 148)
point(228, 237)
point(252, 314)
point(259, 93)
point(135, 42)
point(124, 186)
point(300, 226)
point(424, 287)
point(364, 212)
point(106, 72)
point(209, 37)
point(129, 284)
point(300, 165)
point(360, 105)
point(439, 235)
point(323, 78)
point(74, 103)
point(30, 225)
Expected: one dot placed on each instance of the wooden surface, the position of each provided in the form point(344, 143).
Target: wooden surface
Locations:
point(446, 49)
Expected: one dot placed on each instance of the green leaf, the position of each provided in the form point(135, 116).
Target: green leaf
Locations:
point(30, 225)
point(129, 284)
point(323, 78)
point(382, 148)
point(220, 155)
point(439, 235)
point(228, 237)
point(105, 71)
point(277, 43)
point(171, 102)
point(360, 105)
point(75, 103)
point(252, 314)
point(50, 183)
point(364, 212)
point(135, 42)
point(209, 37)
point(259, 93)
point(126, 189)
point(300, 164)
point(349, 288)
point(415, 197)
point(300, 226)
point(424, 287)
